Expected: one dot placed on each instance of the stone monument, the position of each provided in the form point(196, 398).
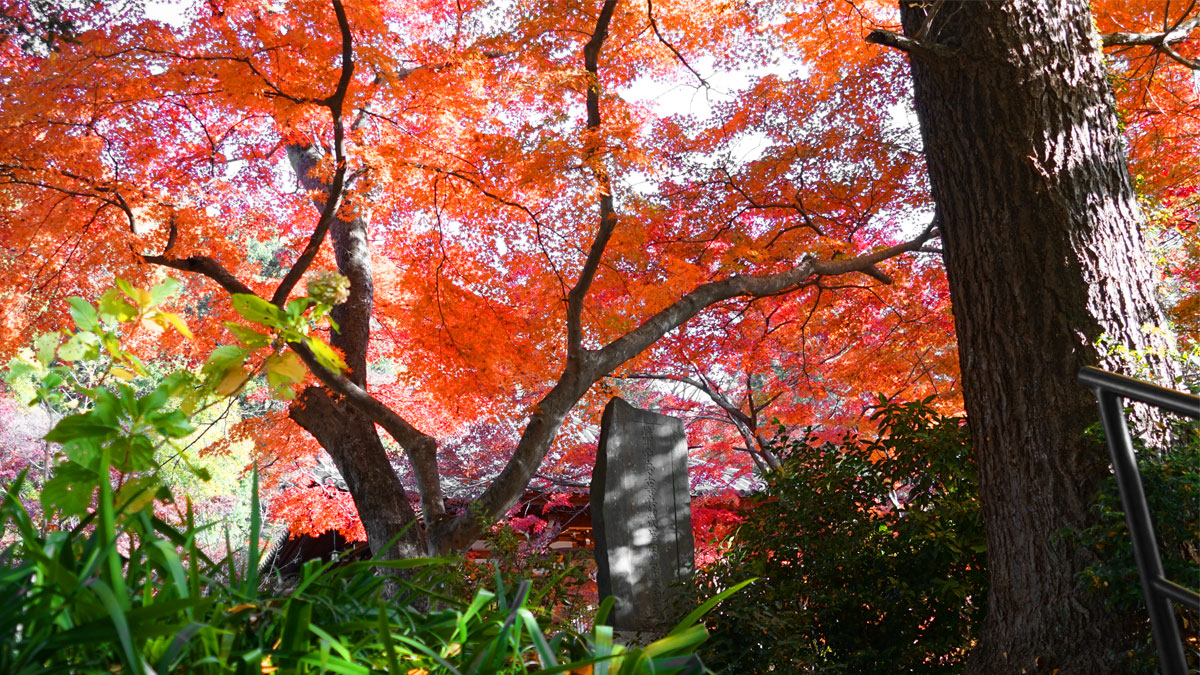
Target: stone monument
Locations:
point(641, 516)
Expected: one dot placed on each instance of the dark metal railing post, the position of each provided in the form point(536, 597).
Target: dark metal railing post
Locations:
point(1159, 591)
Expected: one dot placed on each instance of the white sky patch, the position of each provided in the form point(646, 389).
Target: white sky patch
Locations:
point(174, 13)
point(685, 95)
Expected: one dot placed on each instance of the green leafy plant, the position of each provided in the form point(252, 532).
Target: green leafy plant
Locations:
point(871, 553)
point(143, 597)
point(117, 587)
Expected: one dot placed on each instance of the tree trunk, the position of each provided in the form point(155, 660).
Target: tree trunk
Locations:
point(351, 440)
point(345, 433)
point(1044, 253)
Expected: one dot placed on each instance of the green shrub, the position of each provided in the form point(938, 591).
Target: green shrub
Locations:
point(871, 554)
point(1171, 481)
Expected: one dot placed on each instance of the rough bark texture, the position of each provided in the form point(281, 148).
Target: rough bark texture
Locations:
point(345, 433)
point(351, 440)
point(1044, 253)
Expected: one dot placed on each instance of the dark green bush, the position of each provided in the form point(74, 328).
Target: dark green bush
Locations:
point(870, 553)
point(1171, 481)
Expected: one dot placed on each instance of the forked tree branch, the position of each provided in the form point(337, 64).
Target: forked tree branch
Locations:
point(420, 447)
point(608, 216)
point(334, 195)
point(1162, 41)
point(549, 413)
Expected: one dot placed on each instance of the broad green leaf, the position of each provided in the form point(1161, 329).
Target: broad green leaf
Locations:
point(114, 305)
point(248, 336)
point(52, 380)
point(82, 425)
point(152, 402)
point(18, 368)
point(178, 382)
point(254, 308)
point(164, 290)
point(107, 408)
point(84, 314)
point(137, 493)
point(70, 489)
point(232, 381)
point(174, 424)
point(132, 453)
point(280, 387)
point(46, 344)
point(224, 359)
point(122, 374)
point(82, 345)
point(169, 318)
point(296, 307)
point(139, 296)
point(286, 365)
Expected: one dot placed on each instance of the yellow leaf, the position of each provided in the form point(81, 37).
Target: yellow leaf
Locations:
point(178, 322)
point(287, 365)
point(122, 374)
point(232, 382)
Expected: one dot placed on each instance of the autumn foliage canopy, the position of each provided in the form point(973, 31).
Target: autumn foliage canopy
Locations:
point(714, 208)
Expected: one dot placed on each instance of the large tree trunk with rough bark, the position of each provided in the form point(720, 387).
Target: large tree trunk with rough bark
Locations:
point(351, 440)
point(1044, 253)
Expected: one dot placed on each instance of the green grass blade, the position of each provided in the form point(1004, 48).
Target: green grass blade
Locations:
point(385, 639)
point(421, 647)
point(298, 616)
point(539, 640)
point(107, 531)
point(117, 614)
point(603, 610)
point(685, 641)
point(252, 561)
point(334, 643)
point(704, 608)
point(336, 665)
point(604, 642)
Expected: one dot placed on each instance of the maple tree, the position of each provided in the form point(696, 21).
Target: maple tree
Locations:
point(492, 164)
point(518, 221)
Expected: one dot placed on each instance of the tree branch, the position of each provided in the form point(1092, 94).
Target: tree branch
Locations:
point(1161, 42)
point(203, 265)
point(608, 216)
point(927, 51)
point(334, 194)
point(659, 35)
point(1175, 34)
point(420, 448)
point(548, 413)
point(196, 264)
point(622, 349)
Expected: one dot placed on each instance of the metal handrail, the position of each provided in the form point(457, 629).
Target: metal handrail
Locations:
point(1160, 592)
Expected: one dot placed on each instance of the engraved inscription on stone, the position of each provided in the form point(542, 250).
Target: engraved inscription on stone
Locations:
point(641, 515)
